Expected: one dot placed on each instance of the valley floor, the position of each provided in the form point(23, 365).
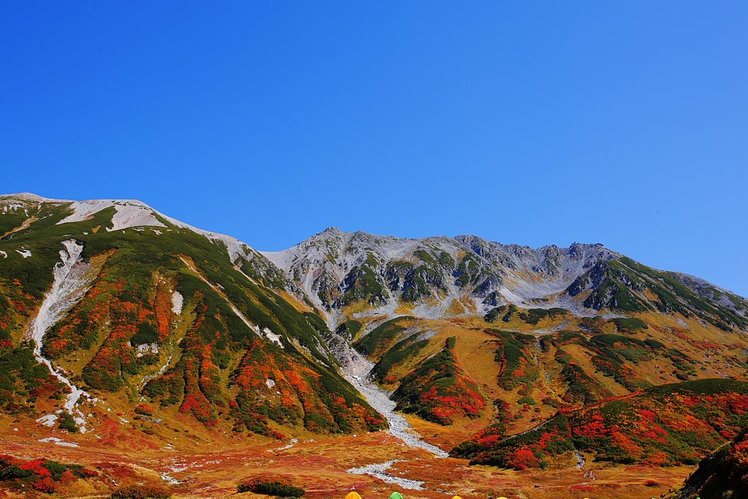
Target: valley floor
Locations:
point(211, 464)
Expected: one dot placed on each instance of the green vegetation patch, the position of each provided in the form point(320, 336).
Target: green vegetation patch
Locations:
point(349, 328)
point(503, 312)
point(516, 366)
point(667, 425)
point(438, 390)
point(629, 324)
point(402, 352)
point(23, 380)
point(363, 284)
point(271, 488)
point(535, 315)
point(382, 337)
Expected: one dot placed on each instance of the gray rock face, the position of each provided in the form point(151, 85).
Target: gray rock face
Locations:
point(336, 268)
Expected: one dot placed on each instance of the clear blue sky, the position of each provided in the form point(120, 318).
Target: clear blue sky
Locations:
point(620, 122)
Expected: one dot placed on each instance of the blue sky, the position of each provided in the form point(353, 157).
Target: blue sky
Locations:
point(624, 123)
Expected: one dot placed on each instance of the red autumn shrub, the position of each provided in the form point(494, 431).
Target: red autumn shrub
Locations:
point(45, 484)
point(522, 459)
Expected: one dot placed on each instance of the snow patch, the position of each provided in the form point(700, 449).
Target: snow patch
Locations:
point(133, 214)
point(83, 210)
point(24, 253)
point(11, 207)
point(4, 254)
point(270, 383)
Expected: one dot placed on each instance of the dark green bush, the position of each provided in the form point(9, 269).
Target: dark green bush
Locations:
point(629, 324)
point(146, 334)
point(271, 488)
point(141, 492)
point(68, 423)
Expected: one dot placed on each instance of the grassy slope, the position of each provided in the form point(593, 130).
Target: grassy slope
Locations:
point(129, 304)
point(720, 474)
point(530, 376)
point(669, 424)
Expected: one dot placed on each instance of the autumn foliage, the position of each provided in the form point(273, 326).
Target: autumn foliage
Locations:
point(668, 425)
point(439, 390)
point(42, 475)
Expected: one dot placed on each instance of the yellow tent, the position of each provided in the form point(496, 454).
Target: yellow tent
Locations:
point(353, 495)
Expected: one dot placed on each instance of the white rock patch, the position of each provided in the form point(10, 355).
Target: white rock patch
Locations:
point(146, 349)
point(275, 338)
point(48, 420)
point(169, 479)
point(177, 301)
point(68, 287)
point(357, 370)
point(379, 470)
point(133, 215)
point(57, 441)
point(127, 214)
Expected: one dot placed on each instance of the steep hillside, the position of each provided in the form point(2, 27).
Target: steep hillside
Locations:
point(669, 424)
point(624, 285)
point(722, 474)
point(121, 304)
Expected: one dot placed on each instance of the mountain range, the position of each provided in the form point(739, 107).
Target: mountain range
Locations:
point(498, 354)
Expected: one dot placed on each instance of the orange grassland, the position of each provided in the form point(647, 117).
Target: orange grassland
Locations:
point(211, 462)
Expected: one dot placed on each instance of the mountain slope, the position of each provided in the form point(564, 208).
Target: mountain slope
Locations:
point(669, 424)
point(359, 274)
point(469, 334)
point(722, 474)
point(127, 306)
point(112, 311)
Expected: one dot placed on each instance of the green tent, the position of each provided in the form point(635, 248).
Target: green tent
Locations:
point(396, 495)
